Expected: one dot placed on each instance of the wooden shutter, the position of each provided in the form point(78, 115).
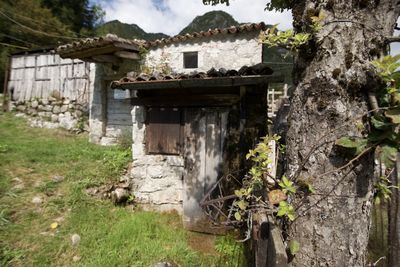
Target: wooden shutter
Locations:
point(163, 131)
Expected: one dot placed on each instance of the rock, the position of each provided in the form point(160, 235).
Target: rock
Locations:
point(78, 113)
point(54, 118)
point(59, 219)
point(56, 109)
point(119, 195)
point(34, 104)
point(64, 108)
point(32, 112)
point(45, 102)
point(71, 106)
point(17, 180)
point(57, 178)
point(164, 264)
point(21, 108)
point(67, 121)
point(19, 186)
point(51, 99)
point(40, 108)
point(48, 114)
point(37, 200)
point(76, 258)
point(66, 102)
point(48, 108)
point(75, 239)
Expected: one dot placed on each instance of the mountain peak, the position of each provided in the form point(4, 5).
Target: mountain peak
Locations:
point(210, 20)
point(127, 31)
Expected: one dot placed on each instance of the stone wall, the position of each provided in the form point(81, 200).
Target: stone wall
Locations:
point(54, 112)
point(110, 119)
point(157, 179)
point(229, 51)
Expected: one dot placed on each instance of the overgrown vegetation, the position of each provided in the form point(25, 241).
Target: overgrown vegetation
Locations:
point(40, 234)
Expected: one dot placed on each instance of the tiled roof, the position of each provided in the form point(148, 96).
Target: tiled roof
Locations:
point(134, 44)
point(89, 43)
point(258, 69)
point(230, 30)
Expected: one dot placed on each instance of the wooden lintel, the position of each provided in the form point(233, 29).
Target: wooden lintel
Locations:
point(88, 53)
point(107, 59)
point(192, 100)
point(124, 46)
point(127, 55)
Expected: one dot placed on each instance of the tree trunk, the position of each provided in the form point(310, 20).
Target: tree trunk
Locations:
point(329, 102)
point(394, 219)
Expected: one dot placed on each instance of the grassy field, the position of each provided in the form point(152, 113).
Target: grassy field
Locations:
point(109, 235)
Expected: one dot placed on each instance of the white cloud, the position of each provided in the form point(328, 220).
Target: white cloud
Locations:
point(176, 14)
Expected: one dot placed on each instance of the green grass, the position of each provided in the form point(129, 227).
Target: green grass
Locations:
point(110, 235)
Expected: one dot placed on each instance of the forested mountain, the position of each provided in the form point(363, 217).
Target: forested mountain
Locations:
point(129, 31)
point(27, 24)
point(210, 20)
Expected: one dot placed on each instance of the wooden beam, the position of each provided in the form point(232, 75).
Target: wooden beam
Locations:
point(261, 244)
point(6, 94)
point(107, 59)
point(277, 256)
point(90, 52)
point(192, 100)
point(127, 55)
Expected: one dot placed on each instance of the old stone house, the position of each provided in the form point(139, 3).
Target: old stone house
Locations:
point(187, 103)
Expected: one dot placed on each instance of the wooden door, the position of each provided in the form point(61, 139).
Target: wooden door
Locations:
point(205, 131)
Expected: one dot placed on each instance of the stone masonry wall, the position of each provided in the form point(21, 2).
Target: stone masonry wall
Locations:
point(157, 179)
point(54, 113)
point(221, 51)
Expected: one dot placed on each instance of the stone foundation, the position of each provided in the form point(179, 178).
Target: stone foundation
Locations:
point(157, 180)
point(54, 113)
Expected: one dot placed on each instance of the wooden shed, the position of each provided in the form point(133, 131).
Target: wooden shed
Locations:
point(188, 133)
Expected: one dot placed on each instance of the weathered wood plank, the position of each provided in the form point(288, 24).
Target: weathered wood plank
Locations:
point(193, 100)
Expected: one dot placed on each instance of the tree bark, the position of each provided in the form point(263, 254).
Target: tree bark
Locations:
point(329, 102)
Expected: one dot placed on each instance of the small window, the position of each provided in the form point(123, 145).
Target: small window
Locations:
point(164, 131)
point(190, 60)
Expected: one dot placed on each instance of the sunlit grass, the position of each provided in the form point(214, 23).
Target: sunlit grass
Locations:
point(110, 235)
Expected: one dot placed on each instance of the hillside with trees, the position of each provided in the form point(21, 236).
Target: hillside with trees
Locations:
point(129, 31)
point(29, 24)
point(210, 20)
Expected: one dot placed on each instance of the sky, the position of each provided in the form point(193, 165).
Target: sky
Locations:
point(171, 16)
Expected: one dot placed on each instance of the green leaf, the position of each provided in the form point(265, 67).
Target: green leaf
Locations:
point(238, 193)
point(393, 114)
point(355, 144)
point(388, 155)
point(242, 204)
point(377, 200)
point(238, 217)
point(379, 122)
point(310, 188)
point(294, 247)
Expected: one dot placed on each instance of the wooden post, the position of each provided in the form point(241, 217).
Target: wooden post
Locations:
point(394, 218)
point(6, 96)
